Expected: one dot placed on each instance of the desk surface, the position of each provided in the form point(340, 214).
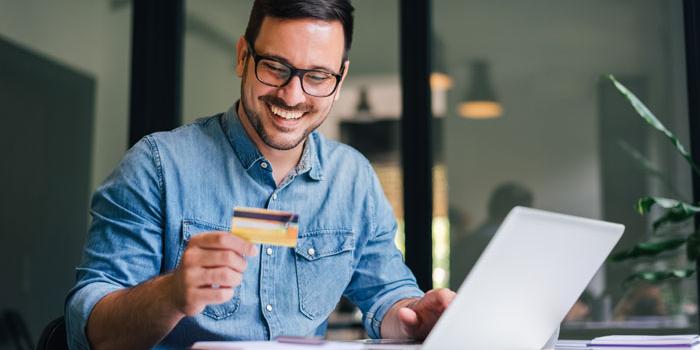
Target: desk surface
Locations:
point(335, 345)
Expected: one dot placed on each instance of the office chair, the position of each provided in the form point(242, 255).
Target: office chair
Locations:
point(54, 336)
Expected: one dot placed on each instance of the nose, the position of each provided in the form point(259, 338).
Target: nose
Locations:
point(292, 93)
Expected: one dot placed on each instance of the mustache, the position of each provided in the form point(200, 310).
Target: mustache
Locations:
point(276, 101)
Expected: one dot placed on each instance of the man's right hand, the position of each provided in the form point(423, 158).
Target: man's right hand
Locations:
point(141, 316)
point(211, 267)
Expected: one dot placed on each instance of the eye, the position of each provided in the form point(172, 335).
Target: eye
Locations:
point(274, 67)
point(318, 77)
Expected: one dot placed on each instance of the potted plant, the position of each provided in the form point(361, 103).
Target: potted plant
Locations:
point(669, 230)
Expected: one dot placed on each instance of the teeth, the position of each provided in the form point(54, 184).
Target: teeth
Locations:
point(285, 113)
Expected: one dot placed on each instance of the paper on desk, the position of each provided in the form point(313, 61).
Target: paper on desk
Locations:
point(273, 345)
point(571, 345)
point(646, 342)
point(622, 340)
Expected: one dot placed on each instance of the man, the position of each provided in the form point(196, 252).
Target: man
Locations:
point(468, 246)
point(159, 266)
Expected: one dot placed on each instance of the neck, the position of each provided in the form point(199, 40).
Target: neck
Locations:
point(282, 161)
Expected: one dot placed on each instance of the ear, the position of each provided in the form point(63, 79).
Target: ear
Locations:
point(241, 54)
point(342, 80)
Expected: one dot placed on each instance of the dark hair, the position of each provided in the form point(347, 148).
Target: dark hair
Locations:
point(506, 196)
point(327, 10)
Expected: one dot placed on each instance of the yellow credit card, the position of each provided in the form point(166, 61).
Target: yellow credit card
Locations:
point(265, 226)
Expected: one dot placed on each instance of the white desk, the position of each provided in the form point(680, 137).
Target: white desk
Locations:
point(333, 345)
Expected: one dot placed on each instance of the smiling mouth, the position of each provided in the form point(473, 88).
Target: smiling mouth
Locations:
point(284, 113)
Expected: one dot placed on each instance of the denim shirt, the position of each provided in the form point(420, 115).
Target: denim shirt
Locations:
point(174, 185)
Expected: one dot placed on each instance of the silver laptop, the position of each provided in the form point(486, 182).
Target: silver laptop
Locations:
point(526, 280)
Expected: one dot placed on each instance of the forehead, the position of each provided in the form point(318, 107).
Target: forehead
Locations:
point(305, 42)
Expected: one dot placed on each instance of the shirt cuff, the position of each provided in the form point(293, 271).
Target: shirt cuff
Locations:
point(375, 315)
point(79, 305)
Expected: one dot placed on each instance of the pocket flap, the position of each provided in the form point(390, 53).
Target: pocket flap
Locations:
point(192, 227)
point(318, 244)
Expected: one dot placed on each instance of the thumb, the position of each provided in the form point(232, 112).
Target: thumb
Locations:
point(408, 317)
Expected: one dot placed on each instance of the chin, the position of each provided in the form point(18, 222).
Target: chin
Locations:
point(283, 143)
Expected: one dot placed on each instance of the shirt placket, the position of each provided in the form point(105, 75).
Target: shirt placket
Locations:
point(270, 258)
point(267, 290)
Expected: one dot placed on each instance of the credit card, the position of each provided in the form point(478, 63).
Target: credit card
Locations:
point(265, 226)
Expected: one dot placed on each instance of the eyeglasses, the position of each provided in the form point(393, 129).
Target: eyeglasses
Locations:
point(314, 82)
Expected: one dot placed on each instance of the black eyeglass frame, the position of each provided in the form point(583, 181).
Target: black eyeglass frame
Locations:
point(294, 72)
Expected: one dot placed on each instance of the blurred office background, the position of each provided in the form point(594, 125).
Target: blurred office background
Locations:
point(548, 133)
point(64, 78)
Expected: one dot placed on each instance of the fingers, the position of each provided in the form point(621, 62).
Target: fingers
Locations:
point(414, 324)
point(408, 317)
point(191, 289)
point(207, 296)
point(224, 240)
point(216, 249)
point(438, 299)
point(209, 258)
point(210, 269)
point(444, 297)
point(426, 311)
point(221, 277)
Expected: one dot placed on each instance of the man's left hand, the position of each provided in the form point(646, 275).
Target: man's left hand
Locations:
point(414, 318)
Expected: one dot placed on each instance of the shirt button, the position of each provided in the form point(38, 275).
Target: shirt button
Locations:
point(311, 251)
point(268, 251)
point(268, 307)
point(263, 165)
point(274, 196)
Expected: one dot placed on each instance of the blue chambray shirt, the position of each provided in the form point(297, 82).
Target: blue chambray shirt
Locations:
point(173, 185)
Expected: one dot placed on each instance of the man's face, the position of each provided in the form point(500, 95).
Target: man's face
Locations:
point(283, 116)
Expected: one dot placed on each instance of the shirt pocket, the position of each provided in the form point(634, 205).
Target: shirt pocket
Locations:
point(191, 228)
point(324, 267)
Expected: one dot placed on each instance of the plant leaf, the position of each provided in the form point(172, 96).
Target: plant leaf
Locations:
point(651, 119)
point(658, 276)
point(644, 204)
point(648, 167)
point(648, 249)
point(676, 211)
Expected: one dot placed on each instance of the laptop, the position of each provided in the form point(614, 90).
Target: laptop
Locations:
point(531, 273)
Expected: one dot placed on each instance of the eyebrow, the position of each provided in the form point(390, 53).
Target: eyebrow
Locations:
point(284, 60)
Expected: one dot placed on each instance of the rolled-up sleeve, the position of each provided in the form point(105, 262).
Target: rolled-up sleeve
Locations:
point(124, 243)
point(381, 278)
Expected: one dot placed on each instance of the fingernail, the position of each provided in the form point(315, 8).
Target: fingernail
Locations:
point(253, 251)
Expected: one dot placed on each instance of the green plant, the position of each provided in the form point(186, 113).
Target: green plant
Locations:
point(675, 212)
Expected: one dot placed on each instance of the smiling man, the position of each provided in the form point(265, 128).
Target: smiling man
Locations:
point(159, 267)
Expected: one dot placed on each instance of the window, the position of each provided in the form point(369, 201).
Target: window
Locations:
point(552, 133)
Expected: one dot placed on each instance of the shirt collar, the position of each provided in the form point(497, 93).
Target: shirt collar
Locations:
point(309, 161)
point(248, 153)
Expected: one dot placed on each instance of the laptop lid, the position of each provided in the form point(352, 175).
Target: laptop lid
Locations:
point(525, 281)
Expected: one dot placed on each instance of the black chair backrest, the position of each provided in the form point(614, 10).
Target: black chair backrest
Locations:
point(54, 336)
